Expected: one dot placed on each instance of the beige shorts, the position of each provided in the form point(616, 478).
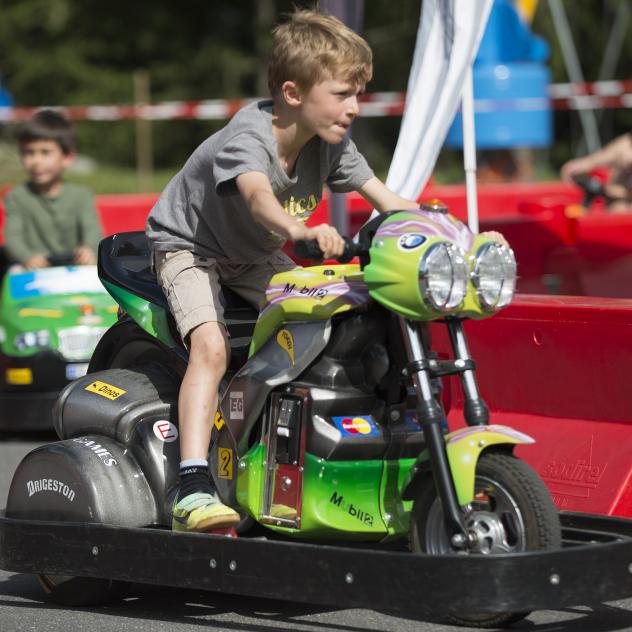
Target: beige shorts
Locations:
point(191, 284)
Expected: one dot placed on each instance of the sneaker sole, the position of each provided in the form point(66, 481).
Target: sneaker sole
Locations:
point(220, 521)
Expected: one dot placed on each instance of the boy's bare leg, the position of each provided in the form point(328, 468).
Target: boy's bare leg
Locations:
point(197, 506)
point(197, 402)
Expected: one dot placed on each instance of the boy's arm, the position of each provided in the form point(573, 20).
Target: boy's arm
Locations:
point(611, 155)
point(380, 197)
point(256, 190)
point(383, 199)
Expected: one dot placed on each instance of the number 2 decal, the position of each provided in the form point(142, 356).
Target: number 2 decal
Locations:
point(225, 463)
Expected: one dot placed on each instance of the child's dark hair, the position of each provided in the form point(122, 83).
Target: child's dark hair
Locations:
point(48, 125)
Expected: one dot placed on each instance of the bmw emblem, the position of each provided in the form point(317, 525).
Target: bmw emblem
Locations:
point(410, 241)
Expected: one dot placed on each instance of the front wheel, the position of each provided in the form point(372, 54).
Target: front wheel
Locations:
point(512, 511)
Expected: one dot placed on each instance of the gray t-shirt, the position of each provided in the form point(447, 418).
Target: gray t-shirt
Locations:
point(201, 210)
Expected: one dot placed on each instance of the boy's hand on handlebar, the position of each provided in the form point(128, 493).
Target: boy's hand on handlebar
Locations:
point(328, 238)
point(84, 256)
point(36, 261)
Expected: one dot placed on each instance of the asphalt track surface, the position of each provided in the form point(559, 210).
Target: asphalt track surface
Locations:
point(159, 609)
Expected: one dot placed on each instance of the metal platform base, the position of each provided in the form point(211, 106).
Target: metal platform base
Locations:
point(595, 566)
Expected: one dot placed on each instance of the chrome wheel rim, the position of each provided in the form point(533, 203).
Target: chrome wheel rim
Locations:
point(494, 523)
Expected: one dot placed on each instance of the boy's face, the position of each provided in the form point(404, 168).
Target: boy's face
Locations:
point(329, 107)
point(44, 161)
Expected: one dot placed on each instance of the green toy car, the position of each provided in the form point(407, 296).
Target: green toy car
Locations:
point(50, 321)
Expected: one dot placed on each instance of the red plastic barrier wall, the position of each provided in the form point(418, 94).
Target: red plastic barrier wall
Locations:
point(127, 211)
point(121, 213)
point(557, 368)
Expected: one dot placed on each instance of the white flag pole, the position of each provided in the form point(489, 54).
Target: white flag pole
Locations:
point(469, 149)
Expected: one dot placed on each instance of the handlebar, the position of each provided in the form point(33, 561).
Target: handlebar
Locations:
point(61, 259)
point(308, 249)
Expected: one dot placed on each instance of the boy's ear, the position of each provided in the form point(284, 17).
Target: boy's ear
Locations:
point(291, 93)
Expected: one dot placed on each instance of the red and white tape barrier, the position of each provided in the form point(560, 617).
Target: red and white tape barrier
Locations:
point(562, 96)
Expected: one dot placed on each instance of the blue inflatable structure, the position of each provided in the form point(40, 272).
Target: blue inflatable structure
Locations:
point(510, 86)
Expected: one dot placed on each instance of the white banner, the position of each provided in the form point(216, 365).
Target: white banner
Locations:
point(448, 38)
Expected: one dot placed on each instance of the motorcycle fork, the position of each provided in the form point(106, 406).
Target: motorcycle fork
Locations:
point(475, 409)
point(431, 416)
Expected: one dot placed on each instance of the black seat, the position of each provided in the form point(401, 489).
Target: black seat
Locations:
point(125, 260)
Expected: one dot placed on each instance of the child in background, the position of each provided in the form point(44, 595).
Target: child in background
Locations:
point(616, 156)
point(47, 216)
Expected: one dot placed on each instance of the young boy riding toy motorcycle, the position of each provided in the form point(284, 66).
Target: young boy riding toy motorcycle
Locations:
point(244, 191)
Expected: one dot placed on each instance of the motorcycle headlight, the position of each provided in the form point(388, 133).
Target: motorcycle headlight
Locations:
point(32, 340)
point(443, 277)
point(494, 275)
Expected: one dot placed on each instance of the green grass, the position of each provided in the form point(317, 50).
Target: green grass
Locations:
point(109, 179)
point(98, 177)
point(103, 179)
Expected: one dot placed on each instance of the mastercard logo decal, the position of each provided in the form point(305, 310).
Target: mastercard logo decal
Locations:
point(359, 426)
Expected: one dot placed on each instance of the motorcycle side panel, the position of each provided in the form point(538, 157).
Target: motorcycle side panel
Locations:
point(154, 319)
point(317, 292)
point(85, 479)
point(282, 359)
point(342, 497)
point(339, 499)
point(310, 478)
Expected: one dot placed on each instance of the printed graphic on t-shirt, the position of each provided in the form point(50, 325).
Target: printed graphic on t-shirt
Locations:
point(301, 208)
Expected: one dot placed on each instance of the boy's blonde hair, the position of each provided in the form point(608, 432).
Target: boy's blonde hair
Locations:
point(312, 47)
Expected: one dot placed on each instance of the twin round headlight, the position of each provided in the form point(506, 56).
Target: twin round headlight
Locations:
point(444, 272)
point(494, 275)
point(443, 276)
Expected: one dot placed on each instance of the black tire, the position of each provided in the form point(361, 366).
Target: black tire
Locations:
point(82, 591)
point(512, 499)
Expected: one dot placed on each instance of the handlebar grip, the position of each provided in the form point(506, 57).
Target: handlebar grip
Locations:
point(308, 249)
point(61, 259)
point(592, 186)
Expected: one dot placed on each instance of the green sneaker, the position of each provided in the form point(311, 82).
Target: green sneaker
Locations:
point(202, 512)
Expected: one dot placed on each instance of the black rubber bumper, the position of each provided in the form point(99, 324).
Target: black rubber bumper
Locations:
point(596, 566)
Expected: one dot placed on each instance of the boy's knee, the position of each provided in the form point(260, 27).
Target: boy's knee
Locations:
point(209, 345)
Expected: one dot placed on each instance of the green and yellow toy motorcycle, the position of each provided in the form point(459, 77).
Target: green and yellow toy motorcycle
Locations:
point(330, 428)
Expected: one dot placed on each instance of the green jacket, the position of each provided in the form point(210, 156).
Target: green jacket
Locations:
point(36, 224)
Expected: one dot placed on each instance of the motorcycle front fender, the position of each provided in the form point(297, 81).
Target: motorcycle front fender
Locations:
point(464, 448)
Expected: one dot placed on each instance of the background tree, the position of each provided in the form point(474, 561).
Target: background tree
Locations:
point(69, 52)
